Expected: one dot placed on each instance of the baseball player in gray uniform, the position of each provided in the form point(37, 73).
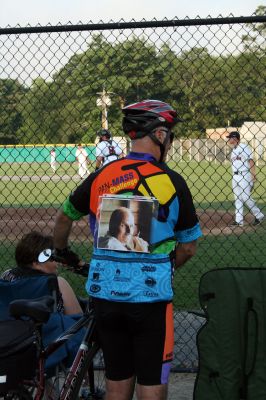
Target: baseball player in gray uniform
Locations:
point(244, 176)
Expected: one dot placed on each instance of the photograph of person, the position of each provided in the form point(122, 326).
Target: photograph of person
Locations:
point(123, 231)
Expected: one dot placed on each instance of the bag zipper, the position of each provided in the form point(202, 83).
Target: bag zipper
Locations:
point(130, 259)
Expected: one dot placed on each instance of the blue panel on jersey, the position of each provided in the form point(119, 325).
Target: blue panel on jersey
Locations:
point(189, 235)
point(165, 230)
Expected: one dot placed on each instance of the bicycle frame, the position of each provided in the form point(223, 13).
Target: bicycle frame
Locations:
point(82, 362)
point(80, 365)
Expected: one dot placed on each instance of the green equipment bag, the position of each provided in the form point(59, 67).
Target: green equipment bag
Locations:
point(232, 343)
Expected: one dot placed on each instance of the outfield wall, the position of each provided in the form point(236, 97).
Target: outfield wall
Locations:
point(41, 153)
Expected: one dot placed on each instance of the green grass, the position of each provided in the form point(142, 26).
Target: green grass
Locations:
point(36, 194)
point(209, 183)
point(39, 169)
point(19, 193)
point(36, 169)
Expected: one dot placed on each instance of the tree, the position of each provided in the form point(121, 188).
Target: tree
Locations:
point(207, 90)
point(11, 93)
point(38, 108)
point(255, 39)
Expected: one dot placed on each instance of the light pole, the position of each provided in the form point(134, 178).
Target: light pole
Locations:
point(104, 101)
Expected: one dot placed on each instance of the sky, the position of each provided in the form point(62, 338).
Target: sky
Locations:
point(33, 12)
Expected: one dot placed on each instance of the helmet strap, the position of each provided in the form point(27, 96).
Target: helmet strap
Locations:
point(160, 144)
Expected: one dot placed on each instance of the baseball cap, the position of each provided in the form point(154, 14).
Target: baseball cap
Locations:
point(233, 135)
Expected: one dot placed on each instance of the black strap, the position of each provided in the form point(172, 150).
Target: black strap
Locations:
point(250, 349)
point(111, 155)
point(207, 296)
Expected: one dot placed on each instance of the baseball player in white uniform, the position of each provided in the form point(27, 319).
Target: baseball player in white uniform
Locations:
point(82, 158)
point(53, 160)
point(244, 176)
point(107, 150)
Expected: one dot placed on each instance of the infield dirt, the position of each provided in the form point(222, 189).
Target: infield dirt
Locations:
point(17, 221)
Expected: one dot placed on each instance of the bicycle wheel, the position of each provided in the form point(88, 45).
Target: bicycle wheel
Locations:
point(54, 384)
point(88, 381)
point(93, 387)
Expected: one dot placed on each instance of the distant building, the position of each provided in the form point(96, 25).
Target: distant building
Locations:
point(255, 134)
point(249, 130)
point(253, 130)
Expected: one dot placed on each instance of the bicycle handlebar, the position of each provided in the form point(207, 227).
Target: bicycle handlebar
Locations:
point(80, 269)
point(77, 269)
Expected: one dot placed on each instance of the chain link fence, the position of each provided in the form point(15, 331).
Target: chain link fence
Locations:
point(60, 85)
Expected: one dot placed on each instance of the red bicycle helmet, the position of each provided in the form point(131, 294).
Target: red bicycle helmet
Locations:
point(142, 118)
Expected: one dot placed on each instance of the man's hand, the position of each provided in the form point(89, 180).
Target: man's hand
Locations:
point(67, 256)
point(184, 251)
point(82, 270)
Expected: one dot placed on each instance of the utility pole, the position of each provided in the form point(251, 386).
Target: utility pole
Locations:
point(104, 101)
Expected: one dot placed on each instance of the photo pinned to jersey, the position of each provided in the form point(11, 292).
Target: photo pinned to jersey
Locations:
point(125, 222)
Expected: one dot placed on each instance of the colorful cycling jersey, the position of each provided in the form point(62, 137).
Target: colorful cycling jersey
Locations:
point(115, 275)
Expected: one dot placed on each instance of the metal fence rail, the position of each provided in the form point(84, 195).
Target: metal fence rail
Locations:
point(60, 84)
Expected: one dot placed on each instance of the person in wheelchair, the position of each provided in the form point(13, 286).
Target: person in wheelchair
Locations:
point(35, 263)
point(30, 264)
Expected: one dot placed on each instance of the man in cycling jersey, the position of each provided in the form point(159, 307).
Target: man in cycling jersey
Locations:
point(132, 291)
point(107, 150)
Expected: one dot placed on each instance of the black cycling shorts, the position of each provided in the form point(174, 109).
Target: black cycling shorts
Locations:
point(137, 340)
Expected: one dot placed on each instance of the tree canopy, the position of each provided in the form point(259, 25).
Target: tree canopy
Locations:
point(207, 90)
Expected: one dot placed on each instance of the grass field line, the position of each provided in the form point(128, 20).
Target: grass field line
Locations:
point(36, 178)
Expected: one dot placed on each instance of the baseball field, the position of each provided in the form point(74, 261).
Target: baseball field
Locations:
point(30, 195)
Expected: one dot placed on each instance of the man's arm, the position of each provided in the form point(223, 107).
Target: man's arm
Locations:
point(62, 228)
point(63, 253)
point(184, 251)
point(99, 160)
